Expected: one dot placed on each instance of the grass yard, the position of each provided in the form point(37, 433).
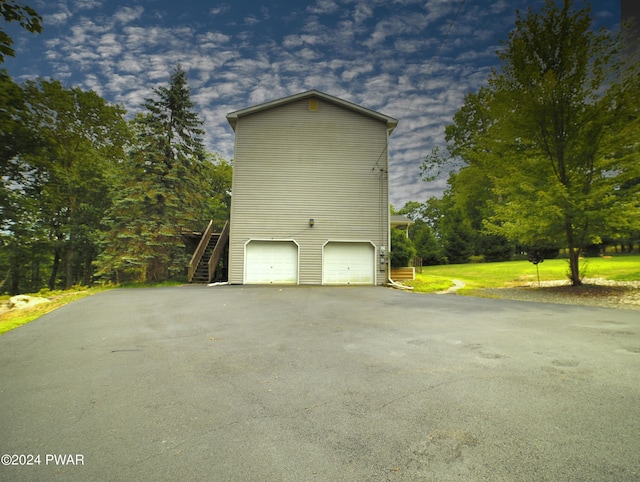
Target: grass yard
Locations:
point(518, 273)
point(15, 318)
point(432, 279)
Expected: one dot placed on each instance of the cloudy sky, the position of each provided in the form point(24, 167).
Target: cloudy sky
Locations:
point(410, 59)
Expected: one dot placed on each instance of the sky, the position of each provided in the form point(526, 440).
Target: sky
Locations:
point(414, 60)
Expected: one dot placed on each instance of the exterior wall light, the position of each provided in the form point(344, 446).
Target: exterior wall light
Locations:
point(311, 222)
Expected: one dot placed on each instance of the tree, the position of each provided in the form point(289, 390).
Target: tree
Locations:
point(216, 183)
point(402, 249)
point(163, 189)
point(470, 191)
point(26, 16)
point(78, 138)
point(13, 141)
point(57, 146)
point(422, 233)
point(546, 133)
point(457, 237)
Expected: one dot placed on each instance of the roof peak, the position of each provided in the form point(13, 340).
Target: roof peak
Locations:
point(233, 117)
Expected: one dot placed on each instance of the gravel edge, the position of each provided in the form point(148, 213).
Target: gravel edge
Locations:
point(597, 292)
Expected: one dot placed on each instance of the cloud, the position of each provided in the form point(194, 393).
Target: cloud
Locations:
point(58, 17)
point(251, 20)
point(128, 60)
point(500, 7)
point(109, 46)
point(219, 10)
point(389, 56)
point(323, 7)
point(356, 68)
point(87, 4)
point(212, 40)
point(396, 26)
point(127, 15)
point(362, 11)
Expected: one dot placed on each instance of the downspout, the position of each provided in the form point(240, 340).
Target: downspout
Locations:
point(399, 286)
point(387, 214)
point(390, 282)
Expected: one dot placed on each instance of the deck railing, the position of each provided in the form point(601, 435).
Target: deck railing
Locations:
point(217, 251)
point(202, 246)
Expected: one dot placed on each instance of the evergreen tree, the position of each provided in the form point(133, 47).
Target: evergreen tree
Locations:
point(457, 237)
point(161, 189)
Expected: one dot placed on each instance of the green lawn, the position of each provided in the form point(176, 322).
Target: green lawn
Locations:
point(432, 279)
point(15, 318)
point(519, 273)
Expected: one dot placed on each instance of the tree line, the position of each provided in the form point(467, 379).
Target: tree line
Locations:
point(86, 194)
point(545, 155)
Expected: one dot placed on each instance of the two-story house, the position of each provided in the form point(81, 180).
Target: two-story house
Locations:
point(310, 202)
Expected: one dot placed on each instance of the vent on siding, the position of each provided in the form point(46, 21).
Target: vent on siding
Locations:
point(313, 105)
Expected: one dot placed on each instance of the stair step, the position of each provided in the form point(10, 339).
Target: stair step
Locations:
point(201, 272)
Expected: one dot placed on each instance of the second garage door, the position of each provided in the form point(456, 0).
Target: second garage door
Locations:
point(271, 262)
point(348, 263)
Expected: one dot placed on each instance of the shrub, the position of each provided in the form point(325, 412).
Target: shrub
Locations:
point(402, 249)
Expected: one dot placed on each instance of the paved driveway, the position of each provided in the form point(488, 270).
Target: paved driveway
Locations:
point(316, 384)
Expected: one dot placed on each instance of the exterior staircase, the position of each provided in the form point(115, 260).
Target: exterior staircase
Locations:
point(201, 274)
point(212, 246)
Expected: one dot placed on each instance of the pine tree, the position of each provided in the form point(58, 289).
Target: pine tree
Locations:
point(160, 190)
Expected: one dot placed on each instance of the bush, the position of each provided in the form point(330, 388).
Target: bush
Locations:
point(592, 250)
point(402, 249)
point(494, 248)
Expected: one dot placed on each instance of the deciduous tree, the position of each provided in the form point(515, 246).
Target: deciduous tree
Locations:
point(27, 17)
point(58, 144)
point(552, 134)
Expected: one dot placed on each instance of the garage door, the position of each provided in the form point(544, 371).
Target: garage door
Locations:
point(271, 262)
point(348, 263)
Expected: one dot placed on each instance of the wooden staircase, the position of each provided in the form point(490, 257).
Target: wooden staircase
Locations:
point(203, 264)
point(201, 274)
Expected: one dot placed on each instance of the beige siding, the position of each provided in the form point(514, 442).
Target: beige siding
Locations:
point(292, 164)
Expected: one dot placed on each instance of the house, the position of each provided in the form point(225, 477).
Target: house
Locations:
point(310, 201)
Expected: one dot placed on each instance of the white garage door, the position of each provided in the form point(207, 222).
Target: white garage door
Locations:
point(348, 263)
point(271, 262)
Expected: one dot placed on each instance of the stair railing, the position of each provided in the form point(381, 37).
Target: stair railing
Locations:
point(217, 251)
point(202, 246)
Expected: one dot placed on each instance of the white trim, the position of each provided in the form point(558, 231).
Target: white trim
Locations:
point(353, 241)
point(233, 117)
point(277, 240)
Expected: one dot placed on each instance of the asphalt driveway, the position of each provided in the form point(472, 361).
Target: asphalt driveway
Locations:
point(316, 383)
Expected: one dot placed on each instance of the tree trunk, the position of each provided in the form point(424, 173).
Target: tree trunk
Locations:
point(14, 279)
point(54, 269)
point(68, 259)
point(574, 266)
point(574, 255)
point(87, 271)
point(36, 282)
